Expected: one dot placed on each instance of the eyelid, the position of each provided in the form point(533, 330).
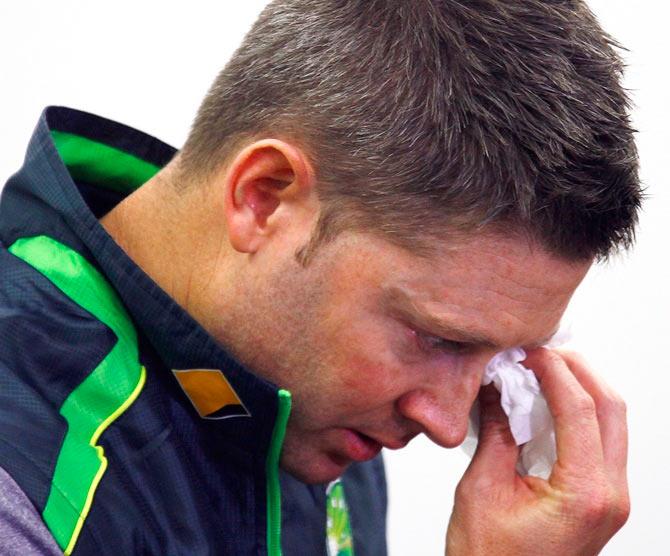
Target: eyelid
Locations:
point(448, 346)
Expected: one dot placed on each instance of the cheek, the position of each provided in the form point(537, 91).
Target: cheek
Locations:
point(366, 379)
point(365, 368)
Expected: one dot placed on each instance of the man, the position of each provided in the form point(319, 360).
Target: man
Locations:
point(375, 198)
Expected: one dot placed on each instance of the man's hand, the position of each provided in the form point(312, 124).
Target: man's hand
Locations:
point(584, 501)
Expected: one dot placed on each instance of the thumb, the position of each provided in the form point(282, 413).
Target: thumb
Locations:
point(497, 452)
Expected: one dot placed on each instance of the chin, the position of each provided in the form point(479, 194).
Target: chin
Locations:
point(320, 469)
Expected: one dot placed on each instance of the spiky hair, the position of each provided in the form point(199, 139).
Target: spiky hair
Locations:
point(425, 116)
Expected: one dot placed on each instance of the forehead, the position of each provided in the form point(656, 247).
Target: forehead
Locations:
point(499, 288)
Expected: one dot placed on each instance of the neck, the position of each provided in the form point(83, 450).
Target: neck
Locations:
point(154, 229)
point(179, 240)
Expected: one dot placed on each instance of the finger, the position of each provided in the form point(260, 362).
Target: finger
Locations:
point(497, 453)
point(611, 414)
point(578, 441)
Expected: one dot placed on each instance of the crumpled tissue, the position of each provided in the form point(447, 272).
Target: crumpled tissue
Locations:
point(522, 401)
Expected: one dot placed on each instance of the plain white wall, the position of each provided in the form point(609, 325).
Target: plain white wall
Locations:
point(148, 64)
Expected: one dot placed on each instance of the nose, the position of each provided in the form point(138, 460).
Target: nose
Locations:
point(441, 409)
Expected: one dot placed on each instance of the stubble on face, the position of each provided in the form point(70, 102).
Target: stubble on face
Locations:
point(331, 334)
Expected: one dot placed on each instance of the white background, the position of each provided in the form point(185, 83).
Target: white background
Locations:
point(148, 64)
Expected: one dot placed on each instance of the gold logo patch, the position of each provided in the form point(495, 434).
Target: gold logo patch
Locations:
point(211, 394)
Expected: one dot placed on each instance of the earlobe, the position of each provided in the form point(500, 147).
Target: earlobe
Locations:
point(262, 178)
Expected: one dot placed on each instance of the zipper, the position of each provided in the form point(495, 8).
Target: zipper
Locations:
point(272, 474)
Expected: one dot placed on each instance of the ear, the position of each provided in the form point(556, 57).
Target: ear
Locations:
point(268, 186)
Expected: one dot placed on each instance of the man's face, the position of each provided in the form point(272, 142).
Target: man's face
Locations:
point(378, 345)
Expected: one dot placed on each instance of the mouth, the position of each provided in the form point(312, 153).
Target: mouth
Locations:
point(360, 447)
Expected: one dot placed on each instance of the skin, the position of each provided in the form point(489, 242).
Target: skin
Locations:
point(378, 345)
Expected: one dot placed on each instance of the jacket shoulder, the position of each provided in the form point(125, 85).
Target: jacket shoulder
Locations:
point(48, 345)
point(45, 337)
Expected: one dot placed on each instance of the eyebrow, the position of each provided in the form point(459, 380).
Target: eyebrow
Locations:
point(404, 306)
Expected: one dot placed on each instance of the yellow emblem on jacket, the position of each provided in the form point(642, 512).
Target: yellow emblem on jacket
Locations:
point(211, 394)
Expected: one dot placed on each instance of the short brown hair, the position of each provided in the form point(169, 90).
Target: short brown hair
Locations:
point(424, 116)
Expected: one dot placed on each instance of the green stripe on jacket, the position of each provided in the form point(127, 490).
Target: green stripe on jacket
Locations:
point(100, 399)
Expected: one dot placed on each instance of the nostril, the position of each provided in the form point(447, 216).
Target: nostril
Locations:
point(409, 437)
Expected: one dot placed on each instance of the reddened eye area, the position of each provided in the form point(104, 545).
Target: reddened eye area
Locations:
point(431, 343)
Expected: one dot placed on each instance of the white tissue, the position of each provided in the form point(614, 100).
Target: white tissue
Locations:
point(522, 401)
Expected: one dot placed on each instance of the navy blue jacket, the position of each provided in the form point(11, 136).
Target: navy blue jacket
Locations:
point(97, 424)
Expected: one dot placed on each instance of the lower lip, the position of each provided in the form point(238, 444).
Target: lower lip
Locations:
point(358, 447)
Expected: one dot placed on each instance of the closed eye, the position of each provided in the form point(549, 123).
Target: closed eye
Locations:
point(429, 342)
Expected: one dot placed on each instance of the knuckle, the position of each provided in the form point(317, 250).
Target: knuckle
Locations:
point(597, 510)
point(619, 404)
point(603, 506)
point(585, 407)
point(474, 487)
point(613, 404)
point(462, 494)
point(621, 512)
point(542, 359)
point(552, 357)
point(462, 487)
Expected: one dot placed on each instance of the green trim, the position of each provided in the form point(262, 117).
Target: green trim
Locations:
point(338, 524)
point(272, 474)
point(100, 399)
point(101, 165)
